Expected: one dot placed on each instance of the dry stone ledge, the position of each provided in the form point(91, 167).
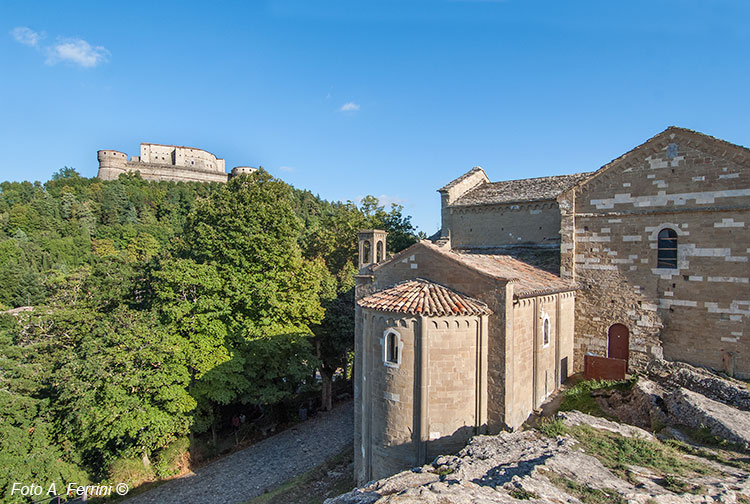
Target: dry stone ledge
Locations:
point(723, 389)
point(695, 410)
point(642, 405)
point(574, 418)
point(490, 469)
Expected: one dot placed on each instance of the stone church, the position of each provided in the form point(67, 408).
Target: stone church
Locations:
point(645, 257)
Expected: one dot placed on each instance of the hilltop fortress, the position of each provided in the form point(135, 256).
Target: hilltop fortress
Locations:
point(167, 162)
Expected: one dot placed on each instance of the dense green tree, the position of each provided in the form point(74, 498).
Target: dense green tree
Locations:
point(123, 391)
point(160, 305)
point(30, 450)
point(250, 232)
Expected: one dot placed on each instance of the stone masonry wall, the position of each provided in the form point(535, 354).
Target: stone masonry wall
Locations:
point(388, 400)
point(432, 266)
point(497, 225)
point(528, 318)
point(452, 383)
point(175, 173)
point(391, 396)
point(701, 309)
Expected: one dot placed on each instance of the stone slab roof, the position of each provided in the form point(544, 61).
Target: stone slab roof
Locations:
point(523, 190)
point(461, 178)
point(528, 280)
point(422, 297)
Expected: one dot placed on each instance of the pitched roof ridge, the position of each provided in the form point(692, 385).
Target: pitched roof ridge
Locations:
point(707, 141)
point(562, 175)
point(504, 192)
point(460, 178)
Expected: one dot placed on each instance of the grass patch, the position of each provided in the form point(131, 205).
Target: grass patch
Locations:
point(443, 471)
point(618, 452)
point(705, 437)
point(723, 456)
point(331, 478)
point(585, 493)
point(522, 494)
point(551, 427)
point(579, 396)
point(678, 486)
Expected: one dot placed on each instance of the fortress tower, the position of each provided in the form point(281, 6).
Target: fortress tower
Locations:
point(111, 164)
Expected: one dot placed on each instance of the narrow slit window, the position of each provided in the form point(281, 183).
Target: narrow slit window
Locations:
point(392, 350)
point(667, 249)
point(545, 332)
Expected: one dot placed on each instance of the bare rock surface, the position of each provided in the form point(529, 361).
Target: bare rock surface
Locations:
point(527, 465)
point(573, 418)
point(719, 388)
point(696, 410)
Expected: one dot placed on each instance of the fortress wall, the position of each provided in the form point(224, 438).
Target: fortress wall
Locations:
point(180, 156)
point(151, 171)
point(164, 162)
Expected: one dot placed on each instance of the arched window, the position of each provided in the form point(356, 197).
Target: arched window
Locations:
point(392, 349)
point(667, 244)
point(379, 248)
point(545, 332)
point(366, 252)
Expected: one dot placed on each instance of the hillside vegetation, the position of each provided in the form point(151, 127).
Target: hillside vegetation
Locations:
point(159, 309)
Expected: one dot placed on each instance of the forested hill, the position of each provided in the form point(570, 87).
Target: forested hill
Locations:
point(157, 307)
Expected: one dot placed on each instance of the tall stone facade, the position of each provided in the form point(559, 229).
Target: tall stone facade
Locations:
point(681, 190)
point(603, 230)
point(646, 257)
point(167, 162)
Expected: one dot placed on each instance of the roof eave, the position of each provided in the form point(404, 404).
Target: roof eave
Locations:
point(545, 292)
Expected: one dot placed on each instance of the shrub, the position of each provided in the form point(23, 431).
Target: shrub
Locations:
point(171, 460)
point(522, 494)
point(131, 471)
point(551, 427)
point(579, 396)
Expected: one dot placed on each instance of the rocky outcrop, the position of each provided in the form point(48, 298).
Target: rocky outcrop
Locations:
point(695, 410)
point(529, 466)
point(642, 405)
point(574, 418)
point(719, 388)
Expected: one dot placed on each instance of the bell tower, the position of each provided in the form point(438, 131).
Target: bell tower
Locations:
point(371, 247)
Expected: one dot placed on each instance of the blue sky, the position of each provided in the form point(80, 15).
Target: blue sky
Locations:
point(348, 98)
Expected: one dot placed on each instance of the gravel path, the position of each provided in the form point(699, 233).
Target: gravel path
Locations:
point(263, 466)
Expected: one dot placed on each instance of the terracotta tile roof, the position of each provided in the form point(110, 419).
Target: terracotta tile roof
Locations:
point(422, 297)
point(516, 191)
point(528, 280)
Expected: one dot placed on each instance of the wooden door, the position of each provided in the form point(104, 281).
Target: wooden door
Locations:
point(619, 342)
